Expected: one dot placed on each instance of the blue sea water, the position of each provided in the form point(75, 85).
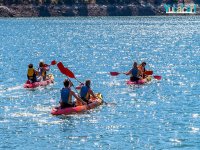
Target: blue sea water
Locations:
point(164, 114)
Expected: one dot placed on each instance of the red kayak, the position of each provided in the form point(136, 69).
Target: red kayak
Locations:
point(80, 108)
point(30, 85)
point(142, 81)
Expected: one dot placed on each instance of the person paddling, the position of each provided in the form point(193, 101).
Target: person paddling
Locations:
point(42, 71)
point(31, 73)
point(66, 96)
point(86, 91)
point(142, 69)
point(134, 73)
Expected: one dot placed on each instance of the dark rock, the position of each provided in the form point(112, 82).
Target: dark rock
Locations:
point(137, 7)
point(82, 10)
point(6, 12)
point(43, 11)
point(146, 11)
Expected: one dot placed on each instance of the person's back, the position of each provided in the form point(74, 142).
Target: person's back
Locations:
point(41, 71)
point(142, 69)
point(134, 73)
point(66, 96)
point(86, 91)
point(31, 74)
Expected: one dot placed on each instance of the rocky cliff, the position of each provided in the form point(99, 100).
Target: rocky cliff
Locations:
point(95, 8)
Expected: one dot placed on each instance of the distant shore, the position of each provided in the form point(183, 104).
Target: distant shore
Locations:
point(81, 10)
point(78, 10)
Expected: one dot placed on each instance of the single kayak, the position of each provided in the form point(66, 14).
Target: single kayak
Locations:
point(79, 108)
point(30, 85)
point(142, 81)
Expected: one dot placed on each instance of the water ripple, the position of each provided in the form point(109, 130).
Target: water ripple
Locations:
point(160, 115)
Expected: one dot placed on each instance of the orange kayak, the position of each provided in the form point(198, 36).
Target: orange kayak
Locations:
point(80, 108)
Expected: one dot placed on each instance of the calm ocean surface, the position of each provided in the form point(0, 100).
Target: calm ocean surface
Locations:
point(163, 114)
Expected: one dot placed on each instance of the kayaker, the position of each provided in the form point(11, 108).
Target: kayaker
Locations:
point(134, 73)
point(66, 96)
point(31, 73)
point(142, 69)
point(42, 71)
point(86, 91)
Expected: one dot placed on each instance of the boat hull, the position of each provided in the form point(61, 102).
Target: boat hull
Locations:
point(78, 109)
point(41, 83)
point(139, 82)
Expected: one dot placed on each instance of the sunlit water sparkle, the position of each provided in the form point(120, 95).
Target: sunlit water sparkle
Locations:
point(163, 114)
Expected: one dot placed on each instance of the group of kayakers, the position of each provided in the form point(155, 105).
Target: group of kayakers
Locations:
point(83, 98)
point(37, 75)
point(137, 72)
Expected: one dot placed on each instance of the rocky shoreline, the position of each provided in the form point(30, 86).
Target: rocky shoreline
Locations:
point(82, 10)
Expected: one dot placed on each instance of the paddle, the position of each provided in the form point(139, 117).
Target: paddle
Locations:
point(148, 72)
point(66, 71)
point(151, 73)
point(52, 63)
point(157, 77)
point(79, 86)
point(115, 73)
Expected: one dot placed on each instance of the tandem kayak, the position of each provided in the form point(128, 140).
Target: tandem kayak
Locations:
point(41, 83)
point(142, 81)
point(80, 108)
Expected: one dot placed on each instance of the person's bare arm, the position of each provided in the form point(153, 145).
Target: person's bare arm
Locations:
point(128, 73)
point(140, 74)
point(92, 93)
point(78, 98)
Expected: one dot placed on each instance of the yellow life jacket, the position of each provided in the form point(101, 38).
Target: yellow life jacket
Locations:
point(30, 73)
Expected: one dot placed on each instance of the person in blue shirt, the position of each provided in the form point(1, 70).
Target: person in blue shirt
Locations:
point(134, 73)
point(66, 96)
point(86, 91)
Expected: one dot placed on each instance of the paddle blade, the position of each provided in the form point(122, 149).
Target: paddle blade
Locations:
point(61, 67)
point(53, 62)
point(69, 73)
point(148, 72)
point(157, 77)
point(45, 65)
point(114, 73)
point(65, 71)
point(79, 86)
